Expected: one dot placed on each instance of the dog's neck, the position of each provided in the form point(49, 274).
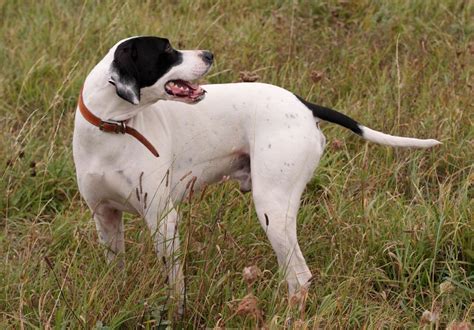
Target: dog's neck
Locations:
point(101, 98)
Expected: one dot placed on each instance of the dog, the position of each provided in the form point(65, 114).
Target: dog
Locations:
point(183, 137)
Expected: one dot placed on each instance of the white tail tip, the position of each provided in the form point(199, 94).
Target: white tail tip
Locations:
point(396, 141)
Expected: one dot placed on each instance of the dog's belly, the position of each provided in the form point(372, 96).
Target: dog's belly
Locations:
point(189, 177)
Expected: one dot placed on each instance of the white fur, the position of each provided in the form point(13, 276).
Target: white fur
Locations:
point(199, 143)
point(395, 141)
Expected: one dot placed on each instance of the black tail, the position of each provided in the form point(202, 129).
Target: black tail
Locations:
point(367, 133)
point(332, 116)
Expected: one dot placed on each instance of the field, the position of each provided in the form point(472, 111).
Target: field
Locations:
point(388, 233)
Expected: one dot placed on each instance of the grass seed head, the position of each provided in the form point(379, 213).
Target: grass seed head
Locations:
point(300, 325)
point(455, 325)
point(248, 306)
point(429, 317)
point(446, 287)
point(299, 298)
point(337, 144)
point(247, 76)
point(251, 274)
point(316, 76)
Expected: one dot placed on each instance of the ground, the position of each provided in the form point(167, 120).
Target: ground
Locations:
point(388, 234)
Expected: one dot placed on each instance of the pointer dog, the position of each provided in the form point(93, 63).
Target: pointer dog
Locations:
point(261, 135)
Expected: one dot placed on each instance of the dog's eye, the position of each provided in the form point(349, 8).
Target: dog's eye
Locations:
point(168, 48)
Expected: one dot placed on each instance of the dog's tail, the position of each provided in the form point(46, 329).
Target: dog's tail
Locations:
point(369, 134)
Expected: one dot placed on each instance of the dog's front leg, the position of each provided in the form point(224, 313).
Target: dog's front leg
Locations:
point(167, 246)
point(109, 224)
point(166, 238)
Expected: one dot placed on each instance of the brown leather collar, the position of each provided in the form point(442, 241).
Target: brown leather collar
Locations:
point(114, 126)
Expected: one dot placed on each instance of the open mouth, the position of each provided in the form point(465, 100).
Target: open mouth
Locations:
point(185, 91)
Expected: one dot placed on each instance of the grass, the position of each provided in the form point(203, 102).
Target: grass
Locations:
point(382, 230)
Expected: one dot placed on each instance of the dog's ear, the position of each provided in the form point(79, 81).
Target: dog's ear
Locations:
point(126, 87)
point(124, 72)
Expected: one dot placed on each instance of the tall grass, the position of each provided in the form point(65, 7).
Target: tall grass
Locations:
point(387, 233)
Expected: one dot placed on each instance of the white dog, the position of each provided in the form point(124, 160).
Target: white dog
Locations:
point(261, 135)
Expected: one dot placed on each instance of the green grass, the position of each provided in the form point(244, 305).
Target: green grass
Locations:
point(381, 229)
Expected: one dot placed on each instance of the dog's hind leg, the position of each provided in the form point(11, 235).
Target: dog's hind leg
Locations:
point(109, 224)
point(279, 176)
point(277, 211)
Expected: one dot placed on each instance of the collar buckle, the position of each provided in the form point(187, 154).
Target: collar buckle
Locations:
point(113, 126)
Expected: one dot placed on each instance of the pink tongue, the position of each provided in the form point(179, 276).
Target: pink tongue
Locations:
point(182, 88)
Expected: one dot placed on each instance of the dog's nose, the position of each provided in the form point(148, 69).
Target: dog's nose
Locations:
point(207, 57)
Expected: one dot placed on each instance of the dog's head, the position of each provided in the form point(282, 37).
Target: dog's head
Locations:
point(148, 69)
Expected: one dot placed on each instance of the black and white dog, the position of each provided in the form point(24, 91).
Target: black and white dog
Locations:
point(261, 135)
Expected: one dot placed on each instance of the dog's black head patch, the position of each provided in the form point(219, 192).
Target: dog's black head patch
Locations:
point(140, 62)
